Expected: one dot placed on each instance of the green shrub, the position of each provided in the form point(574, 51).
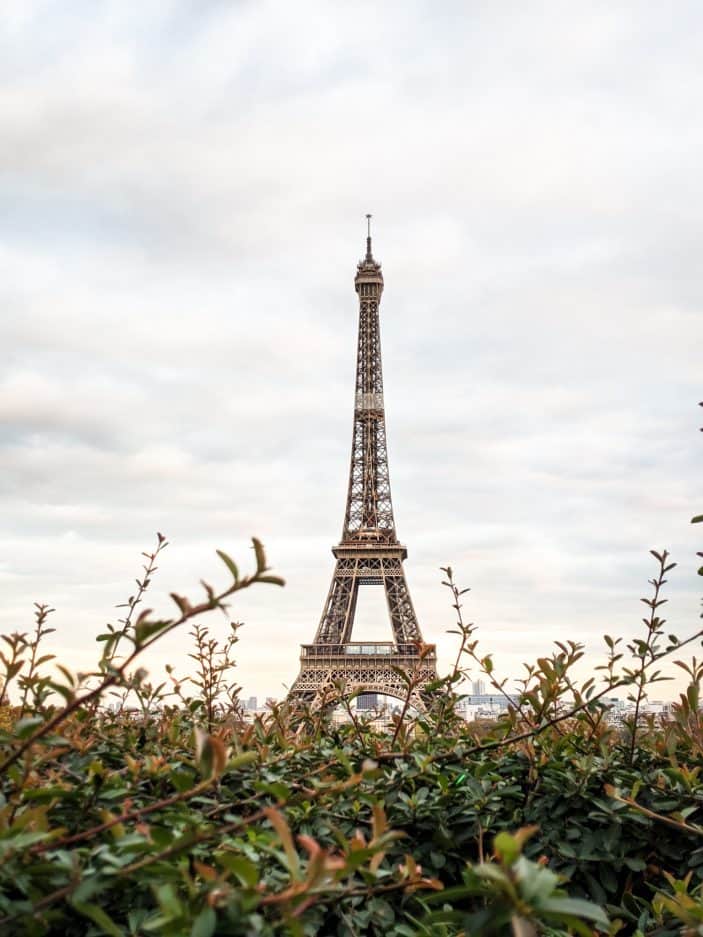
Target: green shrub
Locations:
point(165, 813)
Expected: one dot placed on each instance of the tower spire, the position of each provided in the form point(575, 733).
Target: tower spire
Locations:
point(369, 255)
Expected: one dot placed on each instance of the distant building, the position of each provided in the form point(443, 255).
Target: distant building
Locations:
point(478, 688)
point(621, 711)
point(493, 700)
point(251, 703)
point(367, 701)
point(478, 705)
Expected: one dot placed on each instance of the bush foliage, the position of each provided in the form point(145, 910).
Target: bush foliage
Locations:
point(165, 812)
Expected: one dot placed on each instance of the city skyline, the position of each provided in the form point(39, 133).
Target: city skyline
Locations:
point(181, 224)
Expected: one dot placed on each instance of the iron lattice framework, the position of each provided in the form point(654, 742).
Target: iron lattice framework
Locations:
point(369, 552)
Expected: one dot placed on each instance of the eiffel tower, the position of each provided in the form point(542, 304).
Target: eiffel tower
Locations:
point(369, 552)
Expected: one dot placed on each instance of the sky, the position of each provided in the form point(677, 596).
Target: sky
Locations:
point(183, 186)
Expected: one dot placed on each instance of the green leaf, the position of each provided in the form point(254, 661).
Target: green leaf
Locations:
point(276, 788)
point(182, 602)
point(507, 847)
point(143, 629)
point(260, 555)
point(204, 924)
point(492, 872)
point(230, 564)
point(19, 842)
point(182, 779)
point(210, 753)
point(273, 580)
point(14, 669)
point(241, 867)
point(576, 907)
point(280, 824)
point(608, 878)
point(239, 761)
point(25, 727)
point(99, 917)
point(64, 691)
point(637, 865)
point(536, 882)
point(168, 900)
point(698, 519)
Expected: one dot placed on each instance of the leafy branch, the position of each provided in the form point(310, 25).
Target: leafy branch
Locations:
point(143, 634)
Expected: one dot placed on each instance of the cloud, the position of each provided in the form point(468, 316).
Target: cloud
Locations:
point(182, 196)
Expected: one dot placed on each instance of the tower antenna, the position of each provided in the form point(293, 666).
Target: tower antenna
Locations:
point(368, 237)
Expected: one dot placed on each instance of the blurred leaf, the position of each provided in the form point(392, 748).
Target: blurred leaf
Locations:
point(25, 727)
point(99, 917)
point(576, 907)
point(260, 555)
point(204, 924)
point(278, 822)
point(210, 753)
point(245, 870)
point(230, 564)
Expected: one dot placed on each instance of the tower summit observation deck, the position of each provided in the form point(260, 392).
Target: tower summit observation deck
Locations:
point(369, 553)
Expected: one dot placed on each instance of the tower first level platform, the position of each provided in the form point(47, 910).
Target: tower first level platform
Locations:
point(359, 667)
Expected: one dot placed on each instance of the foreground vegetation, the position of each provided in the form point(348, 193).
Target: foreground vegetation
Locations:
point(165, 813)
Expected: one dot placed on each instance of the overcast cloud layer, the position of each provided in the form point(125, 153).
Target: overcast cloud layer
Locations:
point(182, 194)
